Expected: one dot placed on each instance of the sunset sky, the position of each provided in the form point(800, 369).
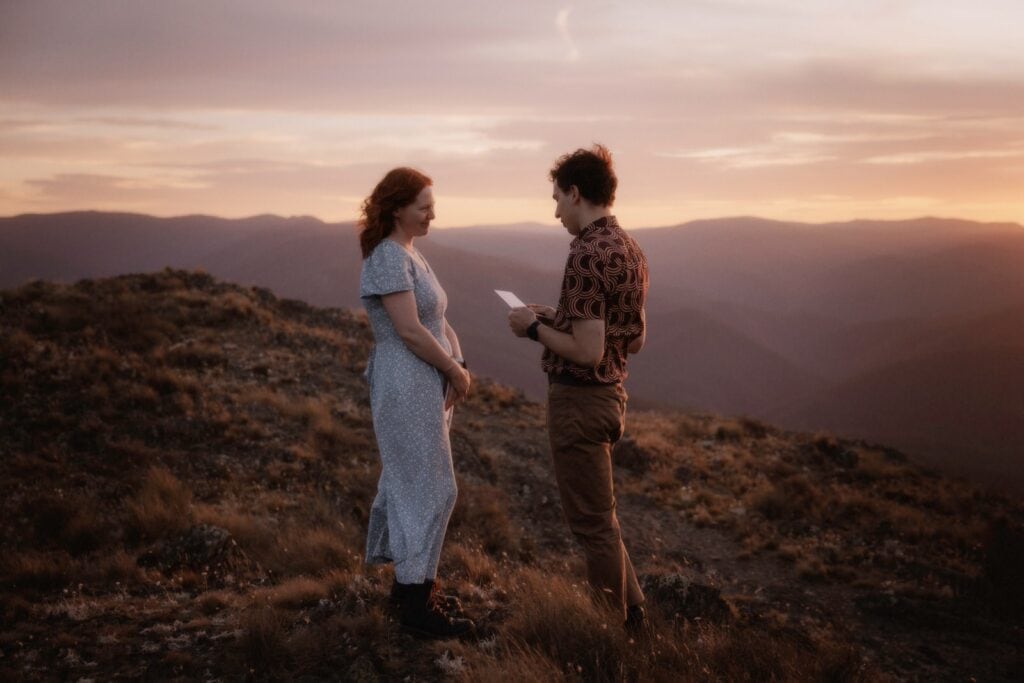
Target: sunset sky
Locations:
point(811, 110)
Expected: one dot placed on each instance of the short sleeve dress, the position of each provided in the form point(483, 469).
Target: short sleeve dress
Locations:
point(416, 492)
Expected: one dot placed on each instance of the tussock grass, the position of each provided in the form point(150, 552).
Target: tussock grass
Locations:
point(529, 667)
point(779, 654)
point(555, 631)
point(559, 620)
point(35, 570)
point(313, 551)
point(264, 641)
point(293, 593)
point(212, 602)
point(162, 506)
point(794, 497)
point(471, 564)
point(481, 514)
point(286, 550)
point(195, 355)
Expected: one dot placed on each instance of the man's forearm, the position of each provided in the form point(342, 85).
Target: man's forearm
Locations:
point(567, 346)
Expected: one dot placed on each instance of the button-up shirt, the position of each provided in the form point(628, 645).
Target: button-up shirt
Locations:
point(605, 278)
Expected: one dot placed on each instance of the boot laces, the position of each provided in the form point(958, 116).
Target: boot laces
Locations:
point(434, 601)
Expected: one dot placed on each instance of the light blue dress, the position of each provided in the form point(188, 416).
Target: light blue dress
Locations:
point(416, 492)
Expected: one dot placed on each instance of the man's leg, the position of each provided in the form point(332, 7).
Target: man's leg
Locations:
point(634, 595)
point(583, 422)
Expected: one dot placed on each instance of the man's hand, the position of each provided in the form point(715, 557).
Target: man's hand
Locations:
point(542, 311)
point(519, 319)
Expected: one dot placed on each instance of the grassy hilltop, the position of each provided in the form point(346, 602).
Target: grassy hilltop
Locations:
point(188, 466)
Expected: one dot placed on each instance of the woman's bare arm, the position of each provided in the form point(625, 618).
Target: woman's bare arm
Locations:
point(401, 308)
point(453, 339)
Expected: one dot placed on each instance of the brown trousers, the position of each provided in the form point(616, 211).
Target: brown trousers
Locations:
point(584, 422)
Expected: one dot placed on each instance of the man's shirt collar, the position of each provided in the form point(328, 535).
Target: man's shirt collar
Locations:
point(602, 222)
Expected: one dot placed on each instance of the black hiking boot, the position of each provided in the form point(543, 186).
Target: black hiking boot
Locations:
point(420, 614)
point(450, 604)
point(637, 623)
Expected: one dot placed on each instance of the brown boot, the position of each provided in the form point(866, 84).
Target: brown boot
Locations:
point(421, 615)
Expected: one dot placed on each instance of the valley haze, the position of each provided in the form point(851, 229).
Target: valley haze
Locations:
point(908, 333)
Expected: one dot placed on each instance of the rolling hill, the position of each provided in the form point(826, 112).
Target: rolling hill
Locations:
point(188, 465)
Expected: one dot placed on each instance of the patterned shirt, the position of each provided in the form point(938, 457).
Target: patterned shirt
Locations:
point(605, 278)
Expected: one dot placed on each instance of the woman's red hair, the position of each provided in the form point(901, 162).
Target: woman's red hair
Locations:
point(398, 189)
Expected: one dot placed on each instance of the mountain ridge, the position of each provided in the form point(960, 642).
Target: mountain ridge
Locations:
point(820, 305)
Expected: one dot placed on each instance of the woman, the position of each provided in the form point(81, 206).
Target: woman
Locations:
point(416, 375)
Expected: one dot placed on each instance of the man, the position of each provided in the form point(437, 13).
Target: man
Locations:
point(598, 322)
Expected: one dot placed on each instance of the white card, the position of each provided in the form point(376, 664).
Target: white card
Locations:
point(511, 299)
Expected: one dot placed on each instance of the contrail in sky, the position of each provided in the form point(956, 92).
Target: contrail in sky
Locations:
point(562, 22)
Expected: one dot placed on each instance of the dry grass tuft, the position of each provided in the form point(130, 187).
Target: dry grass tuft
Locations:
point(560, 621)
point(212, 602)
point(195, 355)
point(286, 551)
point(528, 667)
point(481, 513)
point(264, 641)
point(32, 569)
point(119, 567)
point(161, 507)
point(474, 565)
point(778, 654)
point(794, 497)
point(294, 593)
point(728, 430)
point(317, 550)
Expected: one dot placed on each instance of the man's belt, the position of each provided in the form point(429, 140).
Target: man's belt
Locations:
point(573, 381)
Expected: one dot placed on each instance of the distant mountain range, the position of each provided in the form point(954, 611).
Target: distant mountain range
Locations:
point(911, 332)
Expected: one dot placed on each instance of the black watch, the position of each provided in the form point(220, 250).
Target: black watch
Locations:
point(531, 331)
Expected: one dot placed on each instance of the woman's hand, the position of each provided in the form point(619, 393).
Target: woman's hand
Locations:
point(459, 381)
